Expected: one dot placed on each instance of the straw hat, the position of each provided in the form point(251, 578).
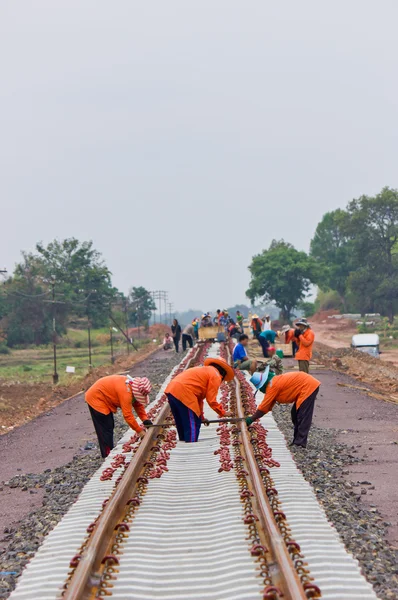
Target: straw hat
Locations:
point(255, 316)
point(285, 328)
point(230, 374)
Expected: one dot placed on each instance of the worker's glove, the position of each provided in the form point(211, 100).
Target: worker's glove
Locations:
point(297, 332)
point(147, 423)
point(205, 422)
point(249, 421)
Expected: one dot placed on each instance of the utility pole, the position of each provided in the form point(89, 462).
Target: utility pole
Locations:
point(55, 374)
point(111, 336)
point(159, 295)
point(126, 325)
point(171, 306)
point(54, 302)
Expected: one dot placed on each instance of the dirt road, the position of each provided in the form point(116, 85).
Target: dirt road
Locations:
point(369, 428)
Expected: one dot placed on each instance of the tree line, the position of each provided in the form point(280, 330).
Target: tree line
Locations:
point(354, 252)
point(64, 282)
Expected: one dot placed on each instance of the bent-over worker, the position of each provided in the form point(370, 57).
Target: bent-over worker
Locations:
point(305, 339)
point(113, 392)
point(187, 391)
point(188, 336)
point(274, 361)
point(265, 339)
point(299, 389)
point(240, 358)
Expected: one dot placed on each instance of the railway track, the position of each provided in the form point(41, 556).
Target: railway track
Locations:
point(164, 519)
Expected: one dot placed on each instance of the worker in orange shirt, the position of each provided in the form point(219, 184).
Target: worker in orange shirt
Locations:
point(187, 391)
point(299, 389)
point(113, 392)
point(305, 339)
point(290, 338)
point(256, 325)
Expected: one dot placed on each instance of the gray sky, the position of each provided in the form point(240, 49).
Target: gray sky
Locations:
point(181, 136)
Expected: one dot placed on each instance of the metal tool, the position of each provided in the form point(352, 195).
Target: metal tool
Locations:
point(208, 421)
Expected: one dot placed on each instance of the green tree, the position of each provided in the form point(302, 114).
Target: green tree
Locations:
point(81, 277)
point(373, 228)
point(282, 274)
point(74, 272)
point(141, 306)
point(333, 248)
point(26, 315)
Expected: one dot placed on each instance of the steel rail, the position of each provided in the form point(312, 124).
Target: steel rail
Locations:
point(285, 573)
point(85, 576)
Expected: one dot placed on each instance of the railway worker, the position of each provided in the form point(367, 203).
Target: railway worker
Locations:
point(206, 320)
point(266, 323)
point(187, 391)
point(274, 361)
point(240, 358)
point(288, 333)
point(217, 317)
point(239, 320)
point(195, 325)
point(188, 336)
point(299, 389)
point(176, 333)
point(113, 392)
point(265, 339)
point(305, 339)
point(167, 341)
point(256, 325)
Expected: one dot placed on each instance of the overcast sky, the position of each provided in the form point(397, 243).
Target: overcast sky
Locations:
point(182, 136)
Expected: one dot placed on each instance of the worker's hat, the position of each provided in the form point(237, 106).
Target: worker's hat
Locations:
point(303, 322)
point(259, 379)
point(230, 374)
point(255, 316)
point(285, 328)
point(141, 388)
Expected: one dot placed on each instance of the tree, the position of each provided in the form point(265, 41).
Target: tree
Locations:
point(77, 275)
point(26, 316)
point(373, 228)
point(141, 306)
point(282, 274)
point(81, 276)
point(333, 248)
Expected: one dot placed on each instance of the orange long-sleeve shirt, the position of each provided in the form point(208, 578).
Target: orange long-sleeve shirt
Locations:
point(305, 342)
point(288, 388)
point(110, 393)
point(192, 386)
point(289, 336)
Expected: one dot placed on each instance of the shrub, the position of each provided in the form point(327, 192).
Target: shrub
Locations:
point(4, 349)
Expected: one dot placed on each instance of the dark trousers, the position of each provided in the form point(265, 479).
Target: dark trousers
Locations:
point(294, 348)
point(176, 343)
point(264, 345)
point(304, 366)
point(186, 338)
point(104, 426)
point(187, 422)
point(302, 419)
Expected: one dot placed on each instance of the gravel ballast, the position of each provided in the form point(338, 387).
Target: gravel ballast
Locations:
point(61, 486)
point(325, 464)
